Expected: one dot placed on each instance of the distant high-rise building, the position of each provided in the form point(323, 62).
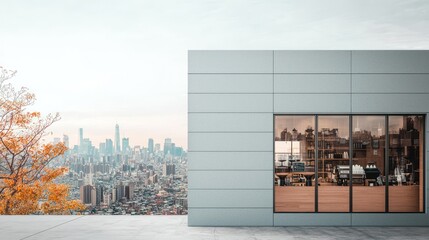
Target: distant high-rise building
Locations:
point(102, 148)
point(178, 151)
point(168, 169)
point(157, 147)
point(153, 179)
point(125, 190)
point(150, 145)
point(114, 195)
point(80, 136)
point(66, 141)
point(173, 149)
point(129, 191)
point(107, 197)
point(99, 195)
point(86, 146)
point(88, 195)
point(117, 140)
point(109, 147)
point(167, 146)
point(125, 145)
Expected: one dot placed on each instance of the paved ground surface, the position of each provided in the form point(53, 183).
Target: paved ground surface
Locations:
point(175, 227)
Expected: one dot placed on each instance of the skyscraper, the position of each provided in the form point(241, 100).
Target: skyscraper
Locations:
point(150, 145)
point(168, 169)
point(125, 190)
point(125, 145)
point(167, 146)
point(102, 148)
point(117, 140)
point(80, 136)
point(109, 147)
point(157, 147)
point(86, 146)
point(88, 195)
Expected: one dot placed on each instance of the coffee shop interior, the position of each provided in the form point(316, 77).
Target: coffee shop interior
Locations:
point(349, 163)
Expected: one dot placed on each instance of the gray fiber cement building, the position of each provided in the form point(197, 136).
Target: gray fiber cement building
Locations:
point(308, 138)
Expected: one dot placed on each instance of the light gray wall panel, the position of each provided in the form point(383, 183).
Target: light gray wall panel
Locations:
point(230, 161)
point(230, 198)
point(206, 61)
point(401, 219)
point(308, 219)
point(311, 103)
point(230, 103)
point(311, 61)
point(230, 180)
point(390, 83)
point(230, 83)
point(390, 61)
point(390, 103)
point(230, 122)
point(230, 217)
point(223, 142)
point(312, 83)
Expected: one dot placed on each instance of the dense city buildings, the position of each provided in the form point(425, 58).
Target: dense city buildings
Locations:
point(117, 179)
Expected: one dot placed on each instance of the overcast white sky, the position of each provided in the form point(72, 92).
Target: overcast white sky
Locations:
point(104, 62)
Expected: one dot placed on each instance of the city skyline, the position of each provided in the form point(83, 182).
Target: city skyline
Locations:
point(81, 136)
point(115, 178)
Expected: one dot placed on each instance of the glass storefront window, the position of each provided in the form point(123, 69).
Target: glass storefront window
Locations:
point(333, 164)
point(406, 163)
point(316, 171)
point(294, 164)
point(369, 189)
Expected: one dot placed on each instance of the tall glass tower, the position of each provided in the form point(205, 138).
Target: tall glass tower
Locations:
point(80, 136)
point(150, 145)
point(117, 140)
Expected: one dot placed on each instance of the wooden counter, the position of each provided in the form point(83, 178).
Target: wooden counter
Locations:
point(336, 198)
point(294, 199)
point(369, 199)
point(404, 198)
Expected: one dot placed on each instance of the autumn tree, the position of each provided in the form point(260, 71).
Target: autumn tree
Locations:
point(27, 183)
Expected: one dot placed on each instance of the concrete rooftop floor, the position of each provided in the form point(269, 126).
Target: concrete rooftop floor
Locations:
point(175, 227)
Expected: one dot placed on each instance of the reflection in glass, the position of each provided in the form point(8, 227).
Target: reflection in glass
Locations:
point(376, 187)
point(368, 164)
point(294, 164)
point(406, 163)
point(333, 164)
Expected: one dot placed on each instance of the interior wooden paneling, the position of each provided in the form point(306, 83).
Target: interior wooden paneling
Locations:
point(404, 198)
point(369, 199)
point(294, 199)
point(334, 199)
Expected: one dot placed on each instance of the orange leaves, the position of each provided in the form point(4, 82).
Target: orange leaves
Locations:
point(51, 174)
point(46, 198)
point(26, 183)
point(55, 200)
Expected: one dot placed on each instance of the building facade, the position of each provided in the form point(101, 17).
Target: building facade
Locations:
point(308, 138)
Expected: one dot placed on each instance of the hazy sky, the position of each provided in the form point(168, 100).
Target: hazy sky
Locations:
point(104, 62)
